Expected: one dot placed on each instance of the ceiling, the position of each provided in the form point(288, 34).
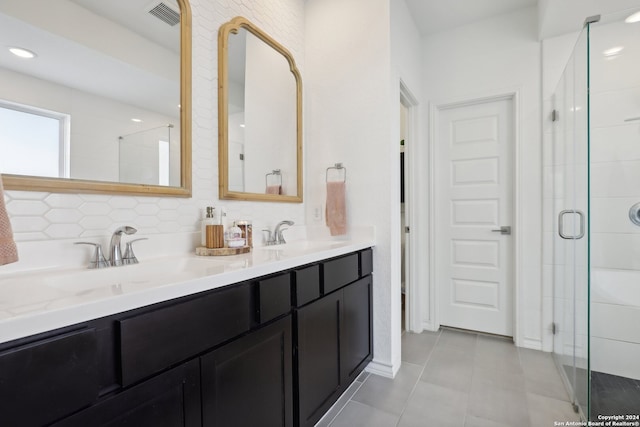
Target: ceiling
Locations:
point(434, 16)
point(556, 17)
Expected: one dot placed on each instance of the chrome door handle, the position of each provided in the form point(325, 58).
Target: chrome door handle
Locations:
point(561, 232)
point(505, 229)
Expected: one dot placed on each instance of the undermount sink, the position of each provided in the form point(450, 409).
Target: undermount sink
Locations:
point(158, 270)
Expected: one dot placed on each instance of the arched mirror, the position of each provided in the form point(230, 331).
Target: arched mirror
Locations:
point(96, 96)
point(259, 116)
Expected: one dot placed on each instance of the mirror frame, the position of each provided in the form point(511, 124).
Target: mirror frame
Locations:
point(65, 185)
point(232, 27)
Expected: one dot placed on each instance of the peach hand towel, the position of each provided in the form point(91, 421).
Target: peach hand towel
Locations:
point(274, 189)
point(336, 210)
point(8, 250)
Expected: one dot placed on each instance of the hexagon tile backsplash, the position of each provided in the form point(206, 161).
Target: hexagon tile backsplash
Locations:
point(44, 216)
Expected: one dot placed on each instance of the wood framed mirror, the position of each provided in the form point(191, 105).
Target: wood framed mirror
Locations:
point(259, 116)
point(105, 104)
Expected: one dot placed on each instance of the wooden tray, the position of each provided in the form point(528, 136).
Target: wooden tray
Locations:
point(202, 251)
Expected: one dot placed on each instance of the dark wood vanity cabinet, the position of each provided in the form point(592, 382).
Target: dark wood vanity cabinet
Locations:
point(333, 336)
point(274, 351)
point(248, 382)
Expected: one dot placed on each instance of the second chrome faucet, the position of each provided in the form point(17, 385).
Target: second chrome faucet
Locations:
point(277, 238)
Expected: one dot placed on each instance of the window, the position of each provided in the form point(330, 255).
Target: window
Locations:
point(33, 141)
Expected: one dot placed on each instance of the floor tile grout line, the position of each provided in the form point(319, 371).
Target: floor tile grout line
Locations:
point(466, 411)
point(424, 366)
point(345, 405)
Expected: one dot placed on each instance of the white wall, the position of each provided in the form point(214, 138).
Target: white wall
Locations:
point(406, 69)
point(349, 109)
point(498, 56)
point(44, 216)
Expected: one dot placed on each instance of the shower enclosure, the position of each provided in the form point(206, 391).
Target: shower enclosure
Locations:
point(596, 216)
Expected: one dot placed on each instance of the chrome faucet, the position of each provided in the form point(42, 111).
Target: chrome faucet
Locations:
point(277, 238)
point(114, 248)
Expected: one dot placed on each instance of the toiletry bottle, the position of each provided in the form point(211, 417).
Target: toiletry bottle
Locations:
point(208, 220)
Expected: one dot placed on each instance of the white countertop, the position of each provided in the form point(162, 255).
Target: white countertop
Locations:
point(34, 302)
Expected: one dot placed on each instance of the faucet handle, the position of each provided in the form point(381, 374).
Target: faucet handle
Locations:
point(99, 260)
point(280, 237)
point(129, 257)
point(269, 240)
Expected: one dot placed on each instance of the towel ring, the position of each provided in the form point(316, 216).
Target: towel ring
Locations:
point(276, 173)
point(338, 167)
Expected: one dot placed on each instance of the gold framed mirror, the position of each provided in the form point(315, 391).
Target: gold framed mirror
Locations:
point(114, 80)
point(259, 116)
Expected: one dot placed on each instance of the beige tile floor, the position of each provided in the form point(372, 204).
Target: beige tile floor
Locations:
point(454, 378)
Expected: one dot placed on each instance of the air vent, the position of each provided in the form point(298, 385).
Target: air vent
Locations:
point(166, 14)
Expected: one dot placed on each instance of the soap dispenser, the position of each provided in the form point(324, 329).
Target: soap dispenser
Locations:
point(209, 219)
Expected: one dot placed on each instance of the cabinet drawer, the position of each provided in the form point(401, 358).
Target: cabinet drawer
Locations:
point(339, 272)
point(155, 340)
point(366, 262)
point(274, 297)
point(46, 380)
point(306, 285)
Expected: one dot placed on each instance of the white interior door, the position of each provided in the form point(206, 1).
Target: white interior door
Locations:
point(474, 198)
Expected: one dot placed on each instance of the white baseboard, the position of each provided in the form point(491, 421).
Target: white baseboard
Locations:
point(532, 344)
point(430, 326)
point(382, 369)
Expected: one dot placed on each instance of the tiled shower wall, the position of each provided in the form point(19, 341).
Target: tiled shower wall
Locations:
point(44, 216)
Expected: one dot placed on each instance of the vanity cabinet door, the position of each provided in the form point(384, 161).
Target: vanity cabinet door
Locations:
point(334, 344)
point(49, 379)
point(357, 345)
point(171, 399)
point(248, 382)
point(318, 357)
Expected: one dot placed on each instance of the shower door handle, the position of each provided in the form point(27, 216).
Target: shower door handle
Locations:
point(505, 229)
point(561, 232)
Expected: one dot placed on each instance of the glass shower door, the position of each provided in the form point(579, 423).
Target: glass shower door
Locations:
point(570, 238)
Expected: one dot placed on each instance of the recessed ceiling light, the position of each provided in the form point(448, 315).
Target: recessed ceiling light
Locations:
point(613, 51)
point(242, 125)
point(136, 120)
point(22, 53)
point(633, 18)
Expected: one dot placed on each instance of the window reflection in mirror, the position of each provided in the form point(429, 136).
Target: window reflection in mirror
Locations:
point(112, 70)
point(33, 141)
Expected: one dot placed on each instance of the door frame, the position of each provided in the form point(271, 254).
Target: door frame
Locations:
point(412, 291)
point(434, 117)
